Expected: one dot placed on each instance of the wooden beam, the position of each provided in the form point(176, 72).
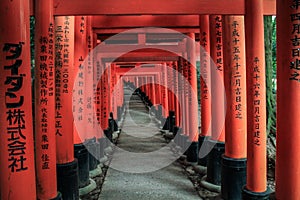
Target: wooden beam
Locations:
point(146, 21)
point(140, 59)
point(133, 38)
point(269, 7)
point(131, 63)
point(164, 7)
point(121, 49)
point(119, 30)
point(142, 54)
point(139, 70)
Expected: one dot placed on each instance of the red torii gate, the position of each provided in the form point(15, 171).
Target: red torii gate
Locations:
point(203, 7)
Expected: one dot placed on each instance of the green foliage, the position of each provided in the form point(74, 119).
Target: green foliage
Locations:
point(270, 57)
point(274, 46)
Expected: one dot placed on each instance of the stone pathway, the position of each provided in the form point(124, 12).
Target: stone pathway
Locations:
point(141, 148)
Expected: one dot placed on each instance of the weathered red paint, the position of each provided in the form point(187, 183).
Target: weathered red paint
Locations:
point(217, 79)
point(256, 98)
point(235, 87)
point(64, 89)
point(288, 98)
point(127, 7)
point(44, 84)
point(16, 139)
point(192, 89)
point(89, 87)
point(165, 90)
point(205, 80)
point(79, 103)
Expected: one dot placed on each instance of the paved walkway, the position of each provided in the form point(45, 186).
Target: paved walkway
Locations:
point(139, 138)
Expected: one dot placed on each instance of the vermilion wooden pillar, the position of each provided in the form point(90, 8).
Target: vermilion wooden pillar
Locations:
point(217, 79)
point(153, 96)
point(157, 90)
point(181, 91)
point(177, 107)
point(67, 166)
point(165, 90)
point(113, 93)
point(89, 96)
point(122, 100)
point(16, 140)
point(170, 87)
point(96, 97)
point(182, 137)
point(98, 101)
point(205, 83)
point(122, 103)
point(256, 103)
point(160, 94)
point(186, 97)
point(172, 94)
point(102, 104)
point(288, 98)
point(79, 101)
point(234, 160)
point(89, 83)
point(149, 88)
point(118, 91)
point(44, 83)
point(192, 155)
point(104, 99)
point(144, 87)
point(217, 101)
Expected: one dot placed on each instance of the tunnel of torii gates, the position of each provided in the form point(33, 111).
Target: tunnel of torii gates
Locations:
point(41, 151)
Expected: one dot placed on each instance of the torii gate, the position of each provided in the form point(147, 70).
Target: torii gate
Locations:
point(17, 168)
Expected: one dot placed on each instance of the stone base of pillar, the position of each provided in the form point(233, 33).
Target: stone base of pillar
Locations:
point(67, 180)
point(184, 143)
point(192, 153)
point(102, 145)
point(202, 161)
point(233, 177)
point(92, 147)
point(103, 161)
point(87, 189)
point(96, 172)
point(108, 150)
point(165, 124)
point(209, 186)
point(200, 169)
point(82, 155)
point(249, 195)
point(214, 166)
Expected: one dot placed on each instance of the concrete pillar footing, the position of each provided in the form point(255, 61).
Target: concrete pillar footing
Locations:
point(200, 169)
point(103, 160)
point(108, 150)
point(210, 186)
point(87, 189)
point(96, 172)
